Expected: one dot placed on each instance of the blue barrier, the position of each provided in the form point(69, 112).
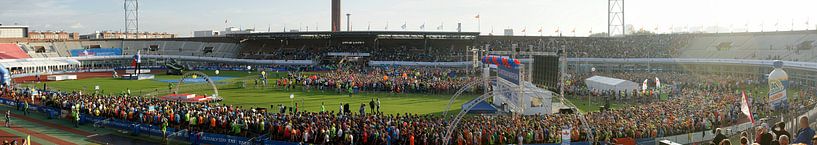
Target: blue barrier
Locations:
point(96, 52)
point(645, 141)
point(571, 143)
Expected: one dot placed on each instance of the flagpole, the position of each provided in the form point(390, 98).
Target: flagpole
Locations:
point(479, 23)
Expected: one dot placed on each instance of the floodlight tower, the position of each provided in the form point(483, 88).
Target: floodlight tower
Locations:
point(615, 18)
point(131, 17)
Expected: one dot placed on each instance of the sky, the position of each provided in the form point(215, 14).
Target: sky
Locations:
point(181, 17)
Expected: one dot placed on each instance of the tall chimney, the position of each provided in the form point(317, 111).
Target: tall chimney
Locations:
point(335, 15)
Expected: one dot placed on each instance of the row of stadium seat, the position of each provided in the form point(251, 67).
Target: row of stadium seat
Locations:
point(191, 48)
point(794, 46)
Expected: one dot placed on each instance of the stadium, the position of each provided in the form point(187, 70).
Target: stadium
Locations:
point(406, 87)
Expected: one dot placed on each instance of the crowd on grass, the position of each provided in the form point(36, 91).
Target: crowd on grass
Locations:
point(383, 79)
point(699, 106)
point(673, 84)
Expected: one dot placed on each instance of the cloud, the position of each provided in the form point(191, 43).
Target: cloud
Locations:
point(39, 8)
point(77, 25)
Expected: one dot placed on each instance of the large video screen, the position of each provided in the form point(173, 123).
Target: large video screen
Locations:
point(546, 71)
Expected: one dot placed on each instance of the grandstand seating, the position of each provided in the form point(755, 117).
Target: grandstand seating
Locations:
point(130, 47)
point(790, 45)
point(11, 51)
point(793, 46)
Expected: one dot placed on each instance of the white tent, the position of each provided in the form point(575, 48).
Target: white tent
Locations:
point(608, 83)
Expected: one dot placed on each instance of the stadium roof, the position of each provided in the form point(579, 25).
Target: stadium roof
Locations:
point(12, 26)
point(38, 62)
point(608, 83)
point(373, 34)
point(606, 80)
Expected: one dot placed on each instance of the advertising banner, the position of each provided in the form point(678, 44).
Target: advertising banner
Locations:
point(96, 52)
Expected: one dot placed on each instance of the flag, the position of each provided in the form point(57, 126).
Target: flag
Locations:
point(540, 30)
point(657, 83)
point(557, 29)
point(591, 30)
point(225, 21)
point(136, 58)
point(404, 26)
point(744, 107)
point(644, 86)
point(423, 26)
point(574, 30)
point(524, 29)
point(476, 17)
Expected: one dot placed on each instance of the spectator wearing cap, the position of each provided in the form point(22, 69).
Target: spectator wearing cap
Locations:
point(783, 140)
point(805, 132)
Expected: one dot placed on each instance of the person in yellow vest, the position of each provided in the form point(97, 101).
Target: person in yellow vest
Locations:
point(76, 117)
point(164, 129)
point(25, 108)
point(192, 122)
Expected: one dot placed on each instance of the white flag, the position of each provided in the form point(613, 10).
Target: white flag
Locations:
point(644, 86)
point(657, 83)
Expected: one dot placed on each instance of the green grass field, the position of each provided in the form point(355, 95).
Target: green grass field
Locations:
point(252, 96)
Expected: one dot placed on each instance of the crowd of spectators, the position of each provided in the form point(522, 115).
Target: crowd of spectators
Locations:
point(412, 50)
point(636, 46)
point(699, 107)
point(384, 79)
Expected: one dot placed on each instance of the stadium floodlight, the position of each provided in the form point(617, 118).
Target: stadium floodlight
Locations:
point(131, 18)
point(615, 18)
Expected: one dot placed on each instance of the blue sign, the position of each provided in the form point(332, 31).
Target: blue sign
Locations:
point(96, 52)
point(509, 74)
